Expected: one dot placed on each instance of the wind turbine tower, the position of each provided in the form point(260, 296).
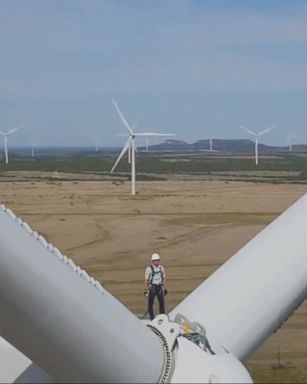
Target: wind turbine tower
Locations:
point(147, 143)
point(97, 144)
point(130, 145)
point(256, 135)
point(211, 138)
point(211, 146)
point(5, 136)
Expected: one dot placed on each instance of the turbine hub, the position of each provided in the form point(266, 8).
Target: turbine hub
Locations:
point(190, 357)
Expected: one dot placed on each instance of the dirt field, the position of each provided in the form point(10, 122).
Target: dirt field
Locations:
point(195, 226)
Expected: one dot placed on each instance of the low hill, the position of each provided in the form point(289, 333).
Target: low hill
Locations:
point(221, 145)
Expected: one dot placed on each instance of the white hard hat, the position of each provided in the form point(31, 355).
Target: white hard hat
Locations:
point(155, 256)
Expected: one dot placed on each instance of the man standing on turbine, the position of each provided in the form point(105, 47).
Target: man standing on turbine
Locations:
point(155, 285)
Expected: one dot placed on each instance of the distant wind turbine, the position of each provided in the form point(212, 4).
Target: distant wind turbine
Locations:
point(97, 144)
point(147, 143)
point(256, 135)
point(289, 140)
point(211, 138)
point(5, 136)
point(210, 143)
point(130, 145)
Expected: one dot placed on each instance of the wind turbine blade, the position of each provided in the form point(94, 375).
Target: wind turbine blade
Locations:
point(257, 318)
point(2, 133)
point(266, 130)
point(153, 134)
point(292, 136)
point(125, 122)
point(94, 362)
point(135, 123)
point(248, 131)
point(121, 155)
point(15, 129)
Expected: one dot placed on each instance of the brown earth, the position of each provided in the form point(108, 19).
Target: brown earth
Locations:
point(195, 226)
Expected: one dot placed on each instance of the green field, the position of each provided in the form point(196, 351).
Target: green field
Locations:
point(279, 169)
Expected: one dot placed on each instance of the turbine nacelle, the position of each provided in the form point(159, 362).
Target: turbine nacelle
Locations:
point(186, 344)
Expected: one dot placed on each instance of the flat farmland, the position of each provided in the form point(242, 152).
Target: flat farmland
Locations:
point(195, 226)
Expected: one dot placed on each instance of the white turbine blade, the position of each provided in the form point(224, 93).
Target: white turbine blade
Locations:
point(60, 333)
point(13, 362)
point(122, 117)
point(255, 271)
point(266, 130)
point(121, 155)
point(135, 123)
point(290, 137)
point(2, 133)
point(153, 134)
point(248, 131)
point(15, 129)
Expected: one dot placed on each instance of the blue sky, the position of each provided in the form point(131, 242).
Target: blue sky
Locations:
point(195, 68)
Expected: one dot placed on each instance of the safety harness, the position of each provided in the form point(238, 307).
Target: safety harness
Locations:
point(154, 272)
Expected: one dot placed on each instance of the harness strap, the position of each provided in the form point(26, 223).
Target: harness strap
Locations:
point(153, 272)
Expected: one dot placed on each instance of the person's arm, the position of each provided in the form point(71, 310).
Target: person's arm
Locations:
point(164, 278)
point(147, 274)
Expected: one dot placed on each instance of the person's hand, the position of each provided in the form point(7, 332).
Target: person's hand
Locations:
point(145, 291)
point(165, 291)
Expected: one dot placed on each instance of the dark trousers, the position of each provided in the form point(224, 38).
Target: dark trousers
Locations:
point(155, 290)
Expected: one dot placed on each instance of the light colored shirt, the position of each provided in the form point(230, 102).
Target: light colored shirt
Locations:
point(159, 275)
